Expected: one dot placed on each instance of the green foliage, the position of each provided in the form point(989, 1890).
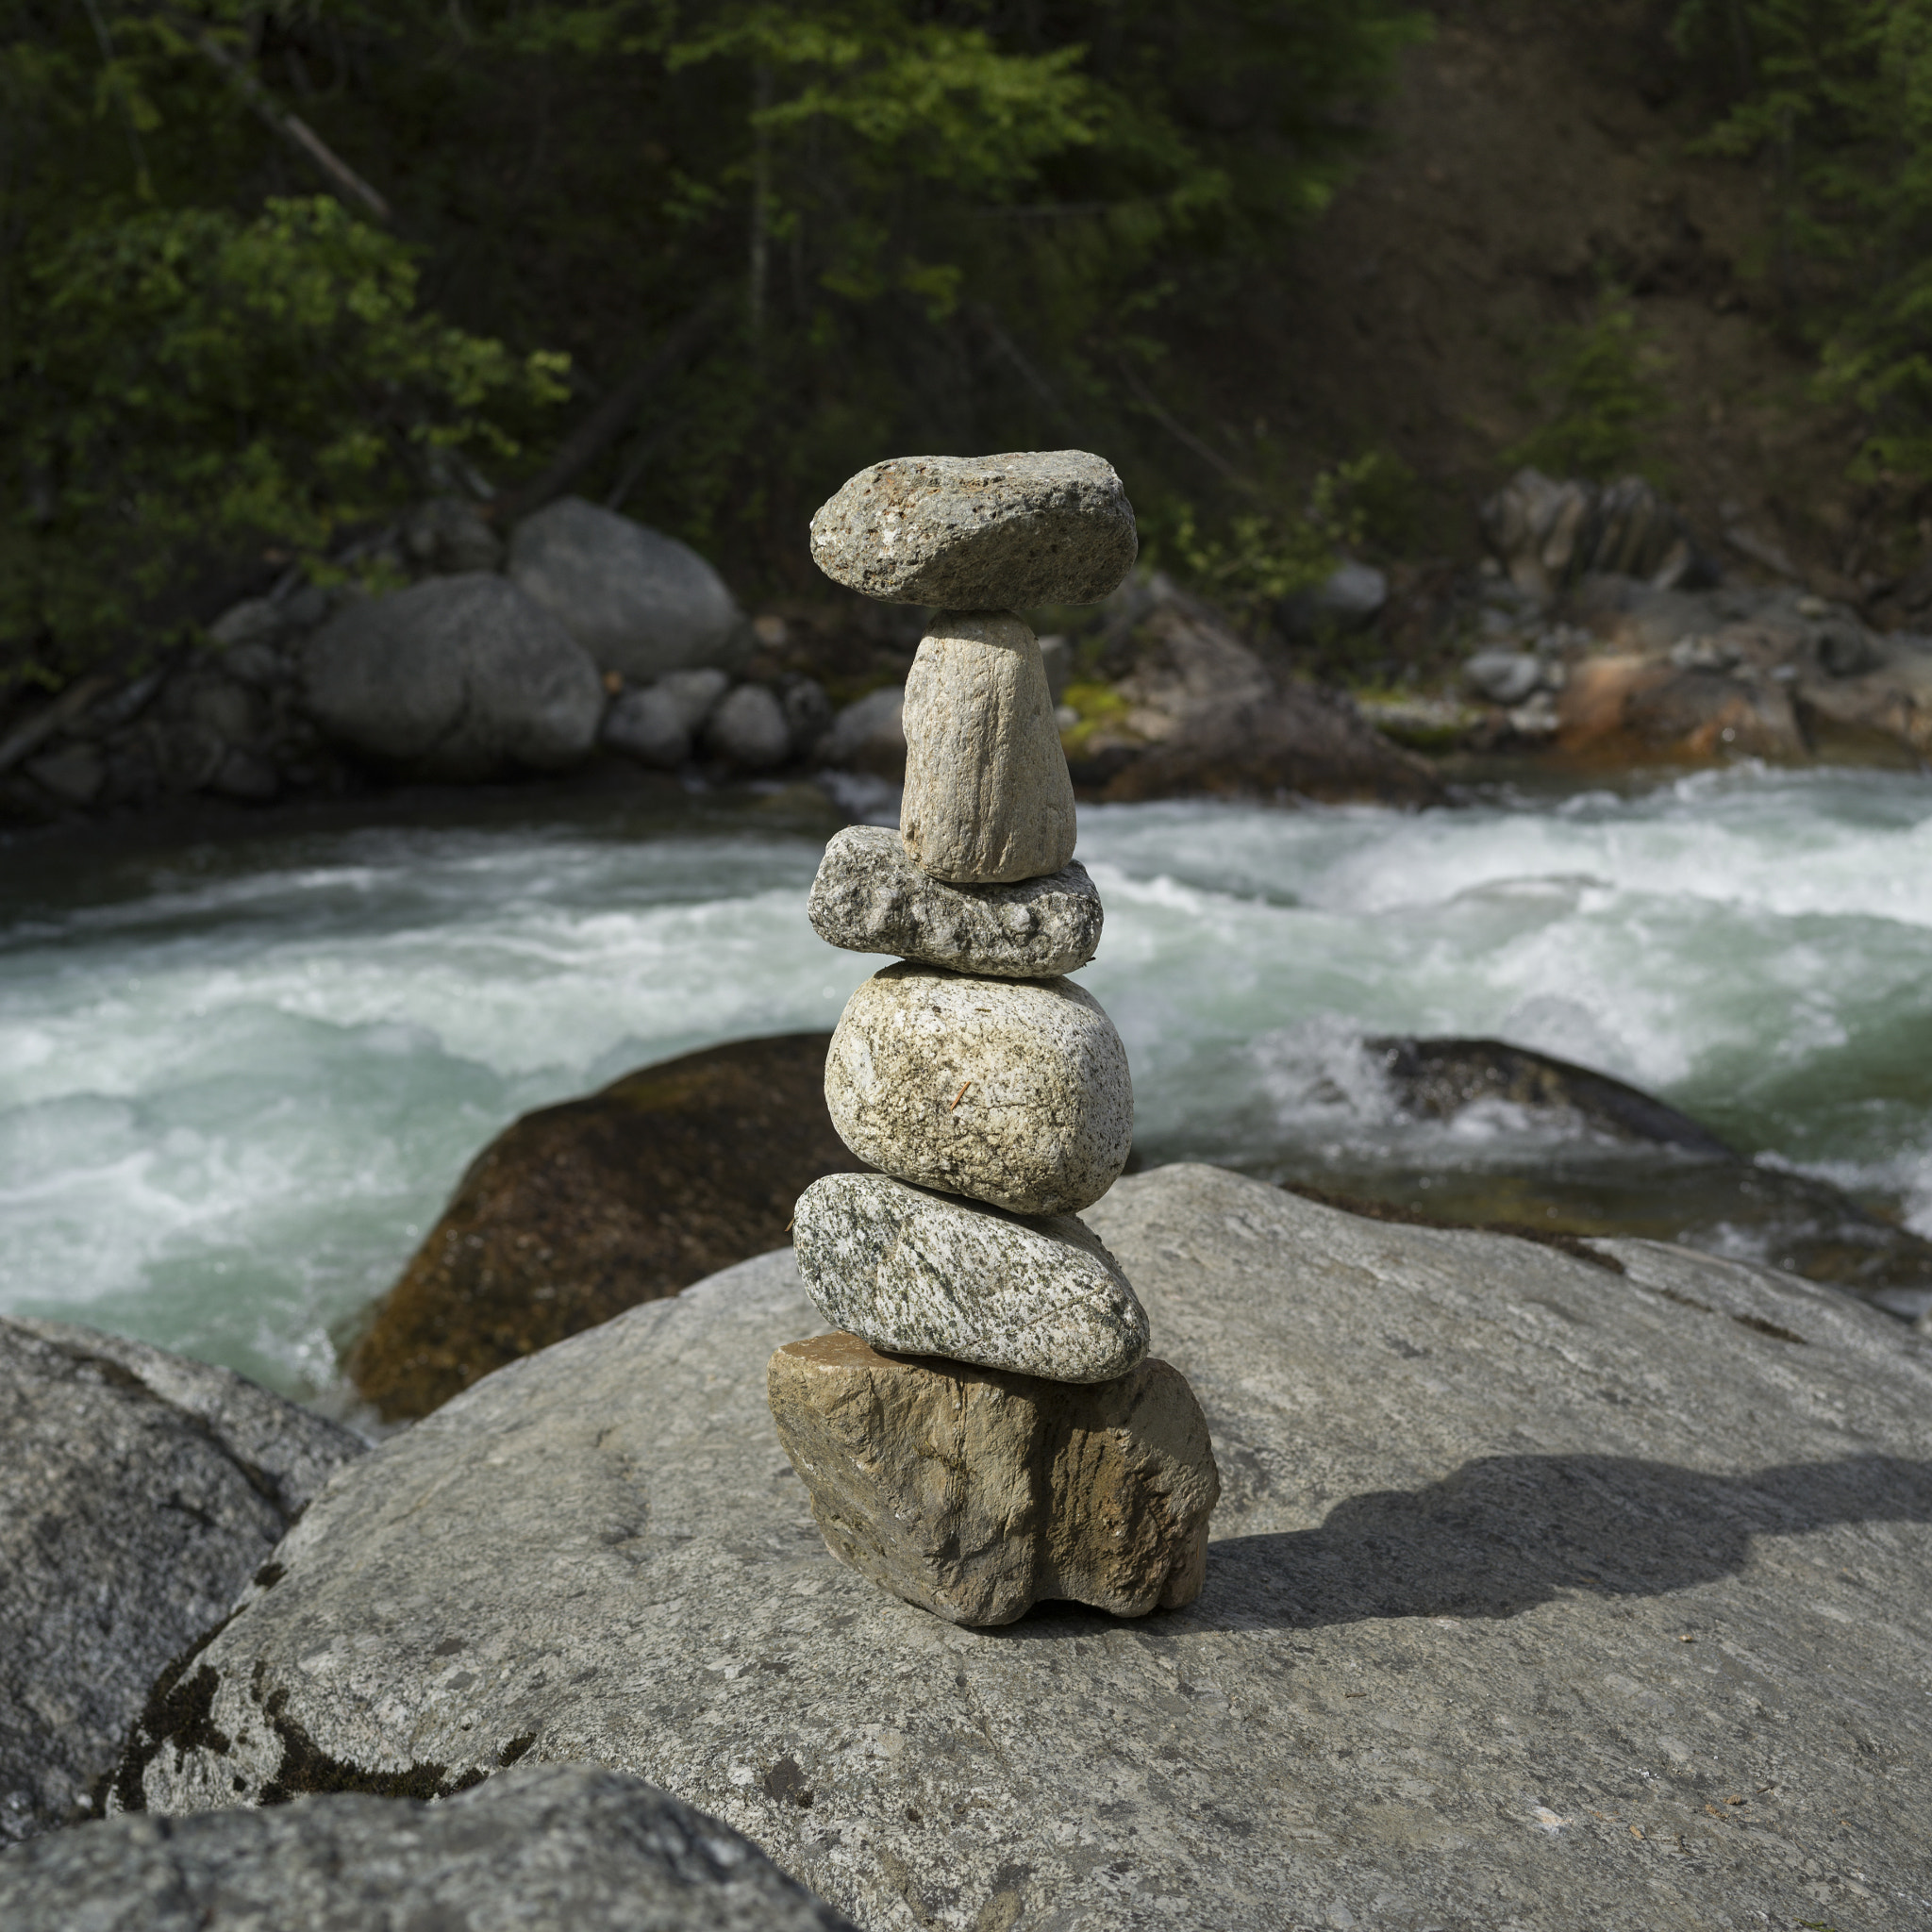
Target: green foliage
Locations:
point(200, 384)
point(1598, 383)
point(1250, 560)
point(937, 224)
point(1834, 98)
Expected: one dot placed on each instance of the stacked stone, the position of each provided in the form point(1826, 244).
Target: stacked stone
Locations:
point(987, 1427)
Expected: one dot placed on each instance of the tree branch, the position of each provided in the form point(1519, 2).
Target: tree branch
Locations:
point(604, 423)
point(292, 128)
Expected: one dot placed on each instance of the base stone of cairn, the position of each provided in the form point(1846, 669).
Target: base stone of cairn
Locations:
point(975, 1492)
point(986, 1429)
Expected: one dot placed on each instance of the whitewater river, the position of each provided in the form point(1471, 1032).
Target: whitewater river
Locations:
point(239, 1078)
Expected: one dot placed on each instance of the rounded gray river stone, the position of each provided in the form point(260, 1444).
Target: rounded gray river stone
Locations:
point(924, 1274)
point(980, 533)
point(539, 1848)
point(138, 1492)
point(869, 898)
point(639, 602)
point(1474, 1494)
point(988, 795)
point(1009, 1091)
point(976, 1493)
point(457, 678)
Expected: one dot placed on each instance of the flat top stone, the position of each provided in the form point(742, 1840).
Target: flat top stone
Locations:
point(539, 1848)
point(980, 533)
point(869, 898)
point(1475, 1493)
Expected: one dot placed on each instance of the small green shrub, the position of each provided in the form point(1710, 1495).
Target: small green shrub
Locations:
point(1597, 381)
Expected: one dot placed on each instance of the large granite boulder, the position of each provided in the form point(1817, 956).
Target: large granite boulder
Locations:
point(639, 602)
point(577, 1211)
point(139, 1494)
point(1526, 1566)
point(542, 1848)
point(457, 678)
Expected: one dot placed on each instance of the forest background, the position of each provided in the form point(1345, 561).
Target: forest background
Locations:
point(268, 273)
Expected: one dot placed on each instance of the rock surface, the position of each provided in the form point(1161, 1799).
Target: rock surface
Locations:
point(980, 533)
point(639, 602)
point(869, 898)
point(457, 678)
point(580, 1210)
point(988, 796)
point(1474, 1495)
point(749, 729)
point(869, 735)
point(138, 1492)
point(655, 724)
point(1013, 1091)
point(976, 1494)
point(1194, 711)
point(922, 1273)
point(543, 1848)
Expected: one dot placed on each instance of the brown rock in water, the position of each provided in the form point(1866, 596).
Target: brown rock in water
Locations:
point(975, 1492)
point(578, 1212)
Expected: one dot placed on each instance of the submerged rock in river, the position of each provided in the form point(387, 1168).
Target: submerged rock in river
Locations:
point(578, 1212)
point(1475, 1496)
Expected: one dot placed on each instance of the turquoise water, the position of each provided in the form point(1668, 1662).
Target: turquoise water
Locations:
point(238, 1079)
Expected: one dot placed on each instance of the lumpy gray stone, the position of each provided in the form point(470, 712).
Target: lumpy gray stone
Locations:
point(657, 722)
point(540, 1848)
point(1011, 1091)
point(139, 1494)
point(749, 729)
point(980, 533)
point(1474, 1492)
point(989, 798)
point(976, 1493)
point(869, 898)
point(923, 1273)
point(639, 601)
point(459, 678)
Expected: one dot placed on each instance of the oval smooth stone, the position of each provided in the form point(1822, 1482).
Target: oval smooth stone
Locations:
point(1009, 1091)
point(980, 533)
point(989, 798)
point(922, 1273)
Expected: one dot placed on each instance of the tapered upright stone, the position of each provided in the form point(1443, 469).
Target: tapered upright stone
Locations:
point(980, 533)
point(869, 898)
point(923, 1273)
point(988, 795)
point(975, 1492)
point(1009, 1091)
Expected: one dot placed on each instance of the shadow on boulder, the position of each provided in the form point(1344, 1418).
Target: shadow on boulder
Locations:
point(578, 1212)
point(1503, 1534)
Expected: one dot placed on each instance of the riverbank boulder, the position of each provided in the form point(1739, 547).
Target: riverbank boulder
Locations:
point(640, 603)
point(1196, 713)
point(139, 1494)
point(542, 1846)
point(577, 1211)
point(1540, 1592)
point(457, 678)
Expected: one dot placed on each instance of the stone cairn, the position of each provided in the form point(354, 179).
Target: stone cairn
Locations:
point(987, 1427)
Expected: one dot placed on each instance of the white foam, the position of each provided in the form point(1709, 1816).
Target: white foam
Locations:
point(231, 1103)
